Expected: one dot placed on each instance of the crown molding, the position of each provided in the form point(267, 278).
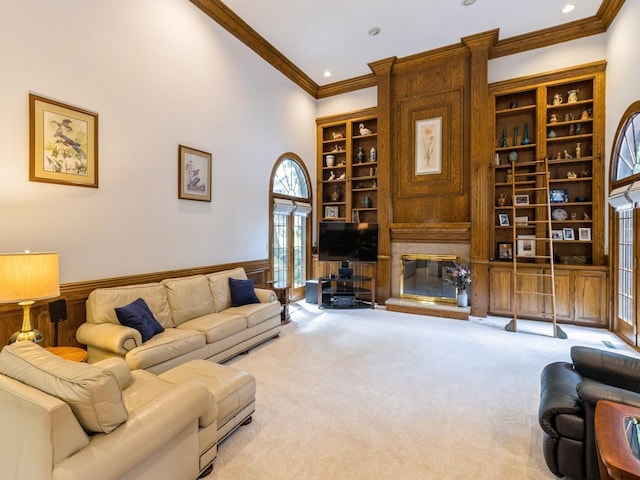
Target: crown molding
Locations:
point(231, 22)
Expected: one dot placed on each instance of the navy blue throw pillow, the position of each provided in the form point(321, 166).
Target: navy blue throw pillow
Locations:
point(242, 292)
point(138, 315)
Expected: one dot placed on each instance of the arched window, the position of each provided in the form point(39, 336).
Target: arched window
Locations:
point(290, 224)
point(624, 198)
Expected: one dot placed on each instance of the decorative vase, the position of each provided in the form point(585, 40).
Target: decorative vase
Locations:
point(335, 195)
point(367, 202)
point(373, 154)
point(360, 155)
point(515, 136)
point(502, 199)
point(525, 135)
point(503, 141)
point(331, 160)
point(462, 298)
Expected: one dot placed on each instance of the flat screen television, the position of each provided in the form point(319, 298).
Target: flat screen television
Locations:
point(339, 241)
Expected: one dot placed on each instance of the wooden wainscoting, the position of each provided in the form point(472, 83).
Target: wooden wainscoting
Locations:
point(76, 295)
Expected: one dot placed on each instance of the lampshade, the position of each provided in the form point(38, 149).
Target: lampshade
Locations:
point(28, 276)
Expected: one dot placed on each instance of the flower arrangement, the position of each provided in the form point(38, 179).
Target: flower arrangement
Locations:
point(459, 276)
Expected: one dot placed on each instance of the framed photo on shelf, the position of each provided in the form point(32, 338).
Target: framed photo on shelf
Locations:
point(558, 196)
point(521, 199)
point(63, 143)
point(557, 235)
point(503, 218)
point(567, 234)
point(584, 234)
point(521, 220)
point(526, 246)
point(505, 251)
point(194, 174)
point(331, 212)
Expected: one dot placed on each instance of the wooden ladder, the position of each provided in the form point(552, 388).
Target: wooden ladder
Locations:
point(533, 185)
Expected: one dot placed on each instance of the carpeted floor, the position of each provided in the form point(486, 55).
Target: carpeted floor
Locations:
point(371, 394)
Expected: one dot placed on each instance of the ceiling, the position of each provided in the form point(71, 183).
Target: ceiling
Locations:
point(333, 35)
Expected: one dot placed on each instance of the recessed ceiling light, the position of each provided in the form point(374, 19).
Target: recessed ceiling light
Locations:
point(327, 73)
point(466, 3)
point(568, 7)
point(373, 31)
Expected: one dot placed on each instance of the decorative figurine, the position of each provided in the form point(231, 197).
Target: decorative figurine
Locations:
point(373, 154)
point(567, 155)
point(337, 135)
point(574, 216)
point(586, 114)
point(586, 216)
point(503, 141)
point(573, 96)
point(332, 176)
point(557, 99)
point(572, 175)
point(360, 155)
point(553, 118)
point(572, 129)
point(343, 176)
point(551, 134)
point(364, 130)
point(502, 199)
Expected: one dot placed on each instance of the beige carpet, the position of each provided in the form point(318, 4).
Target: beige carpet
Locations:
point(362, 394)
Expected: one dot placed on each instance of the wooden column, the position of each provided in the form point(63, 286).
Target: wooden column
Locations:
point(382, 70)
point(480, 148)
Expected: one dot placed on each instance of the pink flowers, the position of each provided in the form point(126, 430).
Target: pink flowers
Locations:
point(459, 276)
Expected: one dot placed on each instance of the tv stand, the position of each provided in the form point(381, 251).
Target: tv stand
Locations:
point(353, 292)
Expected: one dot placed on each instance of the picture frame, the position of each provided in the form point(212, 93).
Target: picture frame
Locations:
point(558, 196)
point(521, 221)
point(557, 235)
point(503, 219)
point(584, 234)
point(568, 234)
point(526, 246)
point(521, 199)
point(194, 174)
point(505, 251)
point(331, 212)
point(63, 143)
point(428, 148)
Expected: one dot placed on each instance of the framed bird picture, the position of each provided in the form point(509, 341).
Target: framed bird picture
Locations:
point(63, 143)
point(194, 174)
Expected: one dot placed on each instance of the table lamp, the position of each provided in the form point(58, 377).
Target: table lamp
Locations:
point(25, 278)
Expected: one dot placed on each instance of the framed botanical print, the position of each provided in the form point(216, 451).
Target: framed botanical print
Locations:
point(63, 143)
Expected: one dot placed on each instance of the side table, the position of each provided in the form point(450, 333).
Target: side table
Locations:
point(614, 424)
point(282, 294)
point(74, 354)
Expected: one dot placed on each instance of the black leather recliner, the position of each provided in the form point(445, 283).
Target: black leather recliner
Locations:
point(568, 396)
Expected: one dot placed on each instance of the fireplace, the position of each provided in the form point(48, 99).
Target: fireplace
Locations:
point(423, 278)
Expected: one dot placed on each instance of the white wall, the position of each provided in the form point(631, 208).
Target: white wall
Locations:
point(159, 74)
point(348, 102)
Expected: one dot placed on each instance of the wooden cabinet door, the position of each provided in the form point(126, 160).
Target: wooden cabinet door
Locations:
point(591, 297)
point(564, 295)
point(530, 304)
point(500, 287)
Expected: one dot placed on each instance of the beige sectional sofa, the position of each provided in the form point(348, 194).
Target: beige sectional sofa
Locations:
point(197, 315)
point(63, 420)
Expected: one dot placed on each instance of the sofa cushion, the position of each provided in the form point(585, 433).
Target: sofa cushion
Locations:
point(92, 392)
point(170, 344)
point(219, 286)
point(138, 315)
point(256, 313)
point(242, 292)
point(102, 301)
point(189, 297)
point(216, 326)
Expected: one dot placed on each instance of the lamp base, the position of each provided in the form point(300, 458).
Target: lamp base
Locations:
point(27, 332)
point(30, 336)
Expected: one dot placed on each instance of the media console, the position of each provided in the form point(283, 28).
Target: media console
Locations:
point(353, 292)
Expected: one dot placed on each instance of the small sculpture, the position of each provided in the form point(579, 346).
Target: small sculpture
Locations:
point(343, 176)
point(373, 154)
point(574, 216)
point(572, 175)
point(337, 135)
point(578, 150)
point(586, 114)
point(567, 155)
point(559, 157)
point(557, 99)
point(553, 118)
point(364, 130)
point(573, 96)
point(586, 216)
point(332, 176)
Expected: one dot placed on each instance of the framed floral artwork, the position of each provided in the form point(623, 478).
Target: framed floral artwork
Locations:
point(429, 146)
point(63, 143)
point(194, 174)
